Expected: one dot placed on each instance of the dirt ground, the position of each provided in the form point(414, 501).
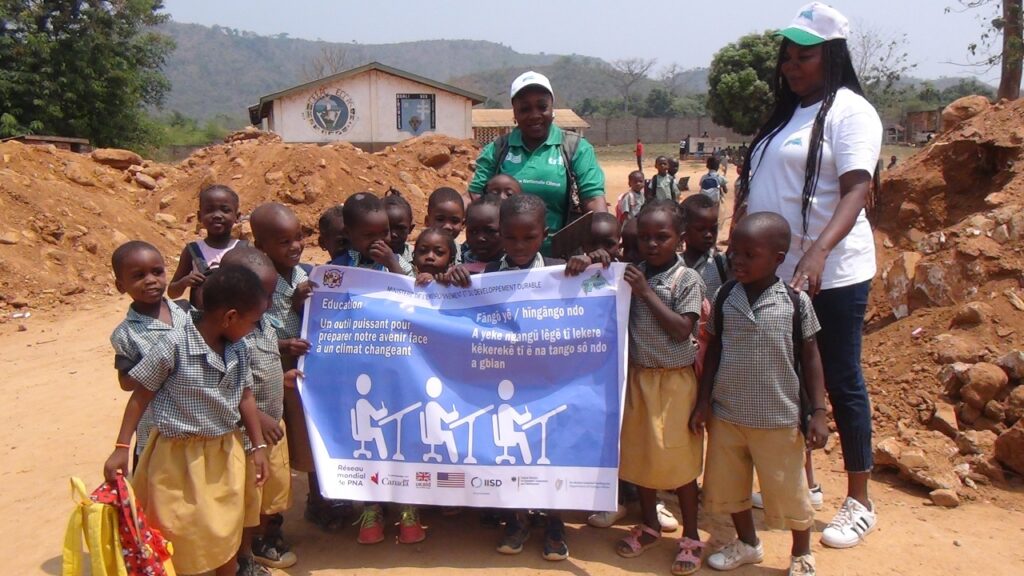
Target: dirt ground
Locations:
point(64, 406)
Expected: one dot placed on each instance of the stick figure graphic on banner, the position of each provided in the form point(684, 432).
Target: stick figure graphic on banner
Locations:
point(432, 419)
point(504, 422)
point(363, 430)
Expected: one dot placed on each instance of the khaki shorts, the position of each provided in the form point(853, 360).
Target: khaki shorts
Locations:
point(734, 452)
point(276, 494)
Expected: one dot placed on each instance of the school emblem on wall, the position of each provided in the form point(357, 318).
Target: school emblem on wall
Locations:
point(415, 113)
point(330, 112)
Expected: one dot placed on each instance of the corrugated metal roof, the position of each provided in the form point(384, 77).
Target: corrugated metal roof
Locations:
point(502, 118)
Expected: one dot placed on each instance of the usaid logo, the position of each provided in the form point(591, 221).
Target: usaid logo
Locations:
point(478, 482)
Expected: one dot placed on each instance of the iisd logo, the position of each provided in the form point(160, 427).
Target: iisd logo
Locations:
point(478, 482)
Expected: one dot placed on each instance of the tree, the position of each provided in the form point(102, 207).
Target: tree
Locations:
point(331, 60)
point(627, 73)
point(966, 87)
point(1005, 22)
point(658, 103)
point(740, 82)
point(880, 59)
point(85, 68)
point(671, 78)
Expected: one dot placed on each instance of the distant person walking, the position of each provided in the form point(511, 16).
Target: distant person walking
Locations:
point(639, 155)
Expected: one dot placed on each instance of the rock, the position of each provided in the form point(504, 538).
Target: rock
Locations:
point(988, 467)
point(986, 423)
point(145, 181)
point(982, 382)
point(1014, 406)
point(921, 456)
point(951, 376)
point(1001, 234)
point(18, 302)
point(975, 442)
point(963, 109)
point(10, 238)
point(294, 196)
point(899, 278)
point(118, 237)
point(908, 212)
point(405, 177)
point(972, 314)
point(994, 411)
point(950, 349)
point(239, 162)
point(969, 414)
point(944, 419)
point(273, 177)
point(72, 290)
point(945, 498)
point(167, 200)
point(116, 158)
point(1012, 363)
point(937, 283)
point(166, 220)
point(73, 171)
point(1009, 448)
point(155, 171)
point(434, 156)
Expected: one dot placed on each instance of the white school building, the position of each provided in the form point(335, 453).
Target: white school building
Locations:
point(371, 106)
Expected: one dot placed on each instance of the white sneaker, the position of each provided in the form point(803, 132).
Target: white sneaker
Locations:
point(850, 525)
point(666, 519)
point(736, 554)
point(606, 519)
point(816, 493)
point(802, 565)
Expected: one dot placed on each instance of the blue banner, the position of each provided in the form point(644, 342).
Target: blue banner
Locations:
point(504, 394)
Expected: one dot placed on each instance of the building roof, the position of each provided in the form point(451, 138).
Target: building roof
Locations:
point(256, 111)
point(502, 118)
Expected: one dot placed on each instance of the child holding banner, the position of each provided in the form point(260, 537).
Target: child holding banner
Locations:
point(331, 227)
point(658, 450)
point(483, 241)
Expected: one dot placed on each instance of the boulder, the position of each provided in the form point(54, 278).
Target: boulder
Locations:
point(945, 498)
point(908, 213)
point(898, 279)
point(116, 158)
point(944, 419)
point(951, 376)
point(994, 411)
point(145, 181)
point(73, 171)
point(921, 456)
point(976, 442)
point(434, 156)
point(972, 314)
point(963, 109)
point(1012, 363)
point(155, 171)
point(982, 382)
point(950, 349)
point(273, 177)
point(969, 414)
point(1010, 448)
point(1014, 406)
point(937, 283)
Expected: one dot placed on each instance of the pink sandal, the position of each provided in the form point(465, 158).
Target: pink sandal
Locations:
point(690, 553)
point(630, 546)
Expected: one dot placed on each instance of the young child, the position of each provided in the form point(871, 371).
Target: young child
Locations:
point(139, 271)
point(262, 540)
point(713, 184)
point(399, 222)
point(700, 215)
point(483, 240)
point(630, 249)
point(632, 200)
point(604, 235)
point(331, 227)
point(218, 212)
point(191, 478)
point(750, 398)
point(658, 451)
point(662, 185)
point(433, 255)
point(446, 209)
point(523, 229)
point(368, 231)
point(503, 185)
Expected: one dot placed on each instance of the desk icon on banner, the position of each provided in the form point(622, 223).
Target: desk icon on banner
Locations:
point(509, 428)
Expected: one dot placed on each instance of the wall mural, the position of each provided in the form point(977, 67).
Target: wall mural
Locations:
point(330, 112)
point(415, 113)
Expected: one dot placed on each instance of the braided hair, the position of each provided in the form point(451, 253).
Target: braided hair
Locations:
point(838, 73)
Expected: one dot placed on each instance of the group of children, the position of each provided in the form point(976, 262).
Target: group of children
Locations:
point(219, 425)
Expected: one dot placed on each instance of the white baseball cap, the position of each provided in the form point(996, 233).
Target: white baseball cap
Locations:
point(531, 78)
point(816, 23)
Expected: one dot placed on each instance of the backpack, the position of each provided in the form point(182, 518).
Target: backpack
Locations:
point(570, 143)
point(709, 183)
point(798, 339)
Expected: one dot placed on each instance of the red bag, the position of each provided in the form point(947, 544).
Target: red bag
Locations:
point(146, 552)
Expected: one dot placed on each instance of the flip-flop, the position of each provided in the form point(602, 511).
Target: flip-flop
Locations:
point(631, 547)
point(690, 552)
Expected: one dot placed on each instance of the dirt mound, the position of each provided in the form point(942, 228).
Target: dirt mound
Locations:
point(62, 214)
point(946, 309)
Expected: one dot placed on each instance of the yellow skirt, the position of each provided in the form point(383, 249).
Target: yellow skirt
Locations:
point(192, 490)
point(276, 493)
point(657, 449)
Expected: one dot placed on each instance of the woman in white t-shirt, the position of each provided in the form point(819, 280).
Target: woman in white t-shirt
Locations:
point(812, 163)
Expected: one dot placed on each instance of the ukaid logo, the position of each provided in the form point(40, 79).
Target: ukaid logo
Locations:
point(423, 479)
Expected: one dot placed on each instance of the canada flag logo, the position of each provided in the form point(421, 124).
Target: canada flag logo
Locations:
point(375, 478)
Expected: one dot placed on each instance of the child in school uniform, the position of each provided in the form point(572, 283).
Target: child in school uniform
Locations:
point(400, 223)
point(700, 215)
point(218, 212)
point(483, 242)
point(604, 235)
point(750, 398)
point(632, 200)
point(658, 450)
point(191, 477)
point(433, 255)
point(262, 540)
point(331, 236)
point(447, 210)
point(503, 185)
point(662, 185)
point(139, 271)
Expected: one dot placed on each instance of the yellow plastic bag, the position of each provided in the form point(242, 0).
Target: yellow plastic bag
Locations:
point(97, 524)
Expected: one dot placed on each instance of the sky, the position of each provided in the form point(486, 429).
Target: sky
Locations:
point(679, 31)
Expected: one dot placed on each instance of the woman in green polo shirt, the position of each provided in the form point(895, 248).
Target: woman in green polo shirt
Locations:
point(534, 156)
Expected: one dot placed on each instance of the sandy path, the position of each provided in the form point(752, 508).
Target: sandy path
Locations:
point(63, 408)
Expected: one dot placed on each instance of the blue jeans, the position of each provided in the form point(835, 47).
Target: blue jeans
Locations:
point(841, 314)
